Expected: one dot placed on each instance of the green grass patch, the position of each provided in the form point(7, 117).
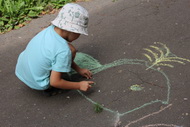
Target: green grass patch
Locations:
point(17, 13)
point(98, 108)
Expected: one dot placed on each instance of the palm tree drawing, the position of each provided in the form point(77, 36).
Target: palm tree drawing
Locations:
point(164, 58)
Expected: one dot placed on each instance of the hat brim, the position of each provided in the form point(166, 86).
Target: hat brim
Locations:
point(70, 27)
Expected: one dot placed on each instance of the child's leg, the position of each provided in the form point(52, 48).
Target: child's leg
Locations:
point(51, 91)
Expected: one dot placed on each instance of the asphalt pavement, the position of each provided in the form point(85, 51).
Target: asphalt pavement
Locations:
point(140, 51)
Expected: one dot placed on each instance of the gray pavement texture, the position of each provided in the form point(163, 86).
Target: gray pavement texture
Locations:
point(117, 30)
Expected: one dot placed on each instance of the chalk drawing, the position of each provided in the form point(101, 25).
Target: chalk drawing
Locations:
point(136, 87)
point(157, 55)
point(144, 117)
point(117, 120)
point(165, 56)
point(162, 125)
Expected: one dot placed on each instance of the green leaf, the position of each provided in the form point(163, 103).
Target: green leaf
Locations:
point(7, 26)
point(33, 14)
point(4, 19)
point(16, 27)
point(27, 19)
point(1, 23)
point(10, 28)
point(98, 108)
point(35, 8)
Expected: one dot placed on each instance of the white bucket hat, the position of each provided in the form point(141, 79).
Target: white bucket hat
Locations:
point(72, 17)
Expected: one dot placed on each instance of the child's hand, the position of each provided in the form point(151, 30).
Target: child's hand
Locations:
point(86, 73)
point(85, 85)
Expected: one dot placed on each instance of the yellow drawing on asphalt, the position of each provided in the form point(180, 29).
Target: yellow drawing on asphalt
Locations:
point(157, 54)
point(136, 87)
point(161, 56)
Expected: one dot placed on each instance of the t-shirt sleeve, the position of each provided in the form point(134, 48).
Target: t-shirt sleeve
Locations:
point(62, 62)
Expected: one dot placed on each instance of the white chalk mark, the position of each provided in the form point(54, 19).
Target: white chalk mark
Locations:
point(117, 122)
point(162, 125)
point(144, 117)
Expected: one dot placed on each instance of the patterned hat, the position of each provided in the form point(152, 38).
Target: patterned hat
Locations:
point(72, 17)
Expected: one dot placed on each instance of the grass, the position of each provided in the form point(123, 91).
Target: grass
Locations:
point(98, 108)
point(17, 13)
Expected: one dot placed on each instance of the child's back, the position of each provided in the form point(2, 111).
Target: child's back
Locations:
point(49, 54)
point(39, 58)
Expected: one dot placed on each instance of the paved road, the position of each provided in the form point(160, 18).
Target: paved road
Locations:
point(132, 94)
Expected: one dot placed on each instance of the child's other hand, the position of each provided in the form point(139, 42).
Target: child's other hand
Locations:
point(86, 73)
point(85, 85)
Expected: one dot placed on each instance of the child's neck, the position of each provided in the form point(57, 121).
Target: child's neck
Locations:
point(62, 33)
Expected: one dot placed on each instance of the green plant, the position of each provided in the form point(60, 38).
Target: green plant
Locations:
point(98, 108)
point(59, 3)
point(16, 13)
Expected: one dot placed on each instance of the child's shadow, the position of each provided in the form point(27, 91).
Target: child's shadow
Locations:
point(67, 92)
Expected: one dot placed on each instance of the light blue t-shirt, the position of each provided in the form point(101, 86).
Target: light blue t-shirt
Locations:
point(45, 52)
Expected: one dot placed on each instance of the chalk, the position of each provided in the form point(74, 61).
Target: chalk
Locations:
point(161, 124)
point(136, 87)
point(155, 60)
point(95, 67)
point(117, 122)
point(164, 57)
point(185, 99)
point(152, 114)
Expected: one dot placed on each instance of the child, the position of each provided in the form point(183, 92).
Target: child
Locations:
point(49, 53)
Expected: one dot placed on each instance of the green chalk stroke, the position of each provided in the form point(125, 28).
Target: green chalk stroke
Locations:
point(95, 67)
point(85, 61)
point(157, 56)
point(136, 87)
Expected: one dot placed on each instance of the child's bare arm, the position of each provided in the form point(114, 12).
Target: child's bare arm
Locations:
point(57, 82)
point(84, 72)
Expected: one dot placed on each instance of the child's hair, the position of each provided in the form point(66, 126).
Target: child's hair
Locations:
point(72, 17)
